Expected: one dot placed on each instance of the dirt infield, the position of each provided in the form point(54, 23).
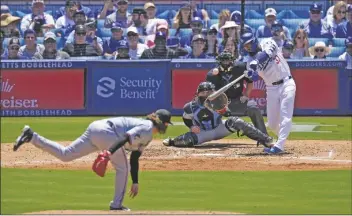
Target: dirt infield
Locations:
point(219, 155)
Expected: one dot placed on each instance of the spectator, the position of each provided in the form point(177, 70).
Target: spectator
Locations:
point(345, 29)
point(9, 24)
point(211, 45)
point(31, 47)
point(13, 48)
point(315, 26)
point(201, 13)
point(135, 48)
point(319, 50)
point(108, 9)
point(223, 17)
point(117, 39)
point(121, 16)
point(264, 31)
point(236, 16)
point(80, 47)
point(92, 33)
point(87, 11)
point(198, 45)
point(196, 26)
point(67, 20)
point(3, 51)
point(300, 44)
point(160, 51)
point(230, 45)
point(150, 8)
point(39, 21)
point(144, 25)
point(339, 16)
point(183, 17)
point(173, 43)
point(329, 13)
point(162, 26)
point(287, 49)
point(80, 19)
point(122, 51)
point(50, 51)
point(230, 29)
point(347, 56)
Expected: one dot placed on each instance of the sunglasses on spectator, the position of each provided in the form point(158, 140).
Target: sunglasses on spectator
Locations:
point(30, 37)
point(319, 50)
point(299, 37)
point(50, 41)
point(80, 33)
point(14, 48)
point(341, 12)
point(315, 12)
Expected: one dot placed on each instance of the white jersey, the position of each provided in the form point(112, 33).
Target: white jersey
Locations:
point(275, 67)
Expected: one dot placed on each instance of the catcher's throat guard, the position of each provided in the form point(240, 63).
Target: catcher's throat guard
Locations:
point(218, 104)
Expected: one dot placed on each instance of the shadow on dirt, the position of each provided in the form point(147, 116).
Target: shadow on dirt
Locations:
point(225, 146)
point(265, 154)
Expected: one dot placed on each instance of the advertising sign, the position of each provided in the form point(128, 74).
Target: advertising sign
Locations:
point(25, 91)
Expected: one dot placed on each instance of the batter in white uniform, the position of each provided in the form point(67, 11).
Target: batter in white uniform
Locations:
point(267, 59)
point(131, 134)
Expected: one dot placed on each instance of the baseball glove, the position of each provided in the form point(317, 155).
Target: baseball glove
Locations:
point(101, 162)
point(218, 104)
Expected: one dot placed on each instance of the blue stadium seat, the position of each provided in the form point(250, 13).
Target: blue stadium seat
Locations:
point(287, 14)
point(312, 41)
point(214, 15)
point(172, 32)
point(255, 23)
point(293, 23)
point(104, 32)
point(213, 21)
point(163, 15)
point(252, 14)
point(339, 42)
point(19, 14)
point(337, 51)
point(40, 40)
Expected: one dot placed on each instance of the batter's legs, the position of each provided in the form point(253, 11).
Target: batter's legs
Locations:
point(273, 109)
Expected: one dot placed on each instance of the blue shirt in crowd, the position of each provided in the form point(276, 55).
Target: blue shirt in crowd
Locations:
point(264, 31)
point(317, 30)
point(111, 45)
point(344, 29)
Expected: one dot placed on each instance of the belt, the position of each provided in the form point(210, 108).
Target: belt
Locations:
point(281, 81)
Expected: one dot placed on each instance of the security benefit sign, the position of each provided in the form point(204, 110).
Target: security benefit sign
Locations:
point(132, 89)
point(48, 92)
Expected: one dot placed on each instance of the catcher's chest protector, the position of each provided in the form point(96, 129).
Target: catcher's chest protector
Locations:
point(205, 118)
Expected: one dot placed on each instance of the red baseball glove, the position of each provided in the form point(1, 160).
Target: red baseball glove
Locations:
point(100, 164)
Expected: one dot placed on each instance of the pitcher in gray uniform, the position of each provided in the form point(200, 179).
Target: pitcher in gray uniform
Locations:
point(206, 125)
point(131, 134)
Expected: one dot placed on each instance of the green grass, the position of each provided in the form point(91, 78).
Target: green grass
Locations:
point(69, 128)
point(295, 192)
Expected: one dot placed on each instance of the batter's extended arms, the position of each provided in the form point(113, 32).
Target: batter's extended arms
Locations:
point(225, 88)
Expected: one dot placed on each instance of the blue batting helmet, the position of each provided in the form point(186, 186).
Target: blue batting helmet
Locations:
point(249, 38)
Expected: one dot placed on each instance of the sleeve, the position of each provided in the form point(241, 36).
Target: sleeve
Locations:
point(106, 48)
point(137, 137)
point(134, 164)
point(187, 111)
point(342, 57)
point(287, 33)
point(37, 56)
point(49, 19)
point(339, 31)
point(25, 23)
point(270, 47)
point(144, 55)
point(108, 22)
point(70, 38)
point(58, 24)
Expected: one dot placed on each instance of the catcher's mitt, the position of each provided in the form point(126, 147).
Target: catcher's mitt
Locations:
point(218, 104)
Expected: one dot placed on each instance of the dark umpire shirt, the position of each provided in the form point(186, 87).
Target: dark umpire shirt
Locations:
point(223, 78)
point(152, 54)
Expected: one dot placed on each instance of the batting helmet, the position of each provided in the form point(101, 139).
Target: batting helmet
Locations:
point(249, 38)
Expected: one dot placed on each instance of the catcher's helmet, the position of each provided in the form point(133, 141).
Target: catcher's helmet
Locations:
point(205, 86)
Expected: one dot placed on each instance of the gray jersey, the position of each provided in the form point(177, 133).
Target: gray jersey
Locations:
point(139, 131)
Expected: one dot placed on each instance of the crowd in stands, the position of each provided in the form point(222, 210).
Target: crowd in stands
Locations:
point(114, 33)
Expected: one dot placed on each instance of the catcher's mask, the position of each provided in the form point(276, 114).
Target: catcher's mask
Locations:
point(225, 61)
point(204, 90)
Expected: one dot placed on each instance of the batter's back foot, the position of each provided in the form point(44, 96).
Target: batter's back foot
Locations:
point(122, 208)
point(25, 137)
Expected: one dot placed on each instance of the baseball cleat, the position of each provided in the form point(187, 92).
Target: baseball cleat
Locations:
point(25, 137)
point(122, 208)
point(168, 142)
point(273, 150)
point(267, 144)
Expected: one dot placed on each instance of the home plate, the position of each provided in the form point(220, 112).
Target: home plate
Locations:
point(208, 155)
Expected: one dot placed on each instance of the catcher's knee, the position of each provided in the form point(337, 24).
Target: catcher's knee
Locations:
point(188, 139)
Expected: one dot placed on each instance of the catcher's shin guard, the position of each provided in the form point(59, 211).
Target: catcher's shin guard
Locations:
point(188, 139)
point(235, 124)
point(257, 118)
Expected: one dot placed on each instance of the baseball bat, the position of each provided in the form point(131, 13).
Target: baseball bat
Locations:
point(224, 89)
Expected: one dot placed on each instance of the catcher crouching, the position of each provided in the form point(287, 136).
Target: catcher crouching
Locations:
point(204, 119)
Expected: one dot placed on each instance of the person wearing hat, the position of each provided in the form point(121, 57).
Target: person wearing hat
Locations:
point(230, 29)
point(111, 137)
point(122, 50)
point(79, 18)
point(347, 56)
point(224, 16)
point(201, 13)
point(144, 25)
point(3, 51)
point(198, 46)
point(211, 45)
point(12, 49)
point(121, 16)
point(173, 43)
point(9, 23)
point(264, 31)
point(150, 8)
point(110, 45)
point(287, 49)
point(50, 51)
point(108, 9)
point(159, 51)
point(80, 47)
point(236, 16)
point(183, 17)
point(197, 27)
point(339, 16)
point(343, 30)
point(31, 47)
point(316, 27)
point(67, 20)
point(38, 20)
point(87, 11)
point(319, 50)
point(136, 48)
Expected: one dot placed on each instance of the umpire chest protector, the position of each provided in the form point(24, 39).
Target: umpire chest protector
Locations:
point(225, 77)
